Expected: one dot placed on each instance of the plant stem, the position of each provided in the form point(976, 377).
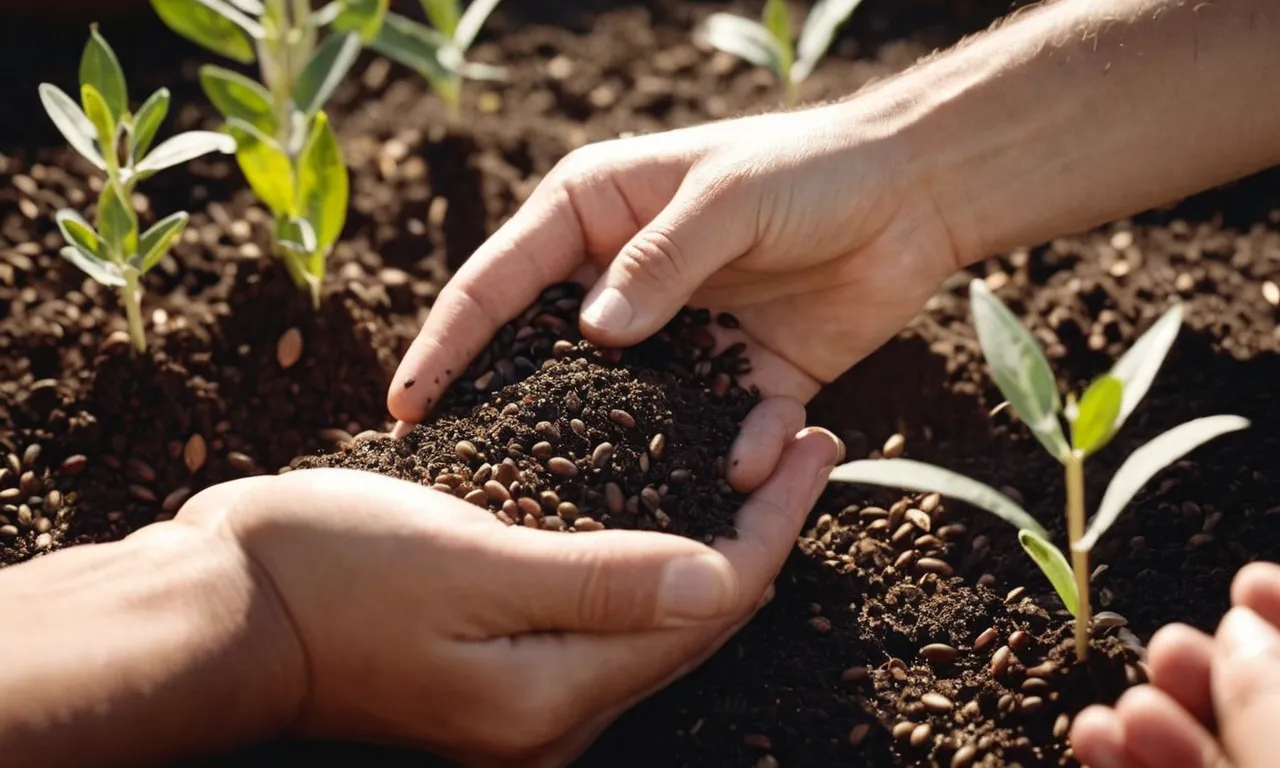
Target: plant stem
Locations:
point(1079, 559)
point(131, 295)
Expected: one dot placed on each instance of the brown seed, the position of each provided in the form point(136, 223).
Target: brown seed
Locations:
point(919, 519)
point(971, 710)
point(936, 703)
point(289, 348)
point(650, 498)
point(820, 624)
point(934, 565)
point(548, 430)
point(30, 455)
point(1199, 540)
point(680, 476)
point(643, 461)
point(902, 730)
point(622, 418)
point(506, 473)
point(1037, 686)
point(496, 492)
point(586, 524)
point(25, 517)
point(1014, 595)
point(757, 741)
point(73, 465)
point(529, 507)
point(873, 513)
point(1044, 669)
point(240, 461)
point(920, 734)
point(442, 488)
point(987, 637)
point(43, 525)
point(1020, 640)
point(542, 450)
point(466, 450)
point(930, 503)
point(878, 525)
point(1006, 703)
point(142, 493)
point(478, 497)
point(549, 500)
point(572, 403)
point(194, 453)
point(139, 470)
point(898, 512)
point(174, 501)
point(562, 467)
point(894, 446)
point(552, 523)
point(8, 531)
point(905, 533)
point(657, 444)
point(952, 532)
point(9, 494)
point(53, 501)
point(578, 427)
point(44, 540)
point(15, 463)
point(927, 541)
point(1031, 705)
point(859, 734)
point(964, 757)
point(601, 456)
point(938, 653)
point(855, 674)
point(1062, 726)
point(1000, 661)
point(904, 559)
point(567, 511)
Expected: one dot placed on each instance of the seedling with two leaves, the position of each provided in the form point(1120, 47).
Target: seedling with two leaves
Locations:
point(768, 43)
point(118, 142)
point(439, 52)
point(1022, 373)
point(287, 149)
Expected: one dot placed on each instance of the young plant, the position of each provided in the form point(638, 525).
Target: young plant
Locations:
point(768, 43)
point(287, 149)
point(1023, 375)
point(439, 52)
point(119, 143)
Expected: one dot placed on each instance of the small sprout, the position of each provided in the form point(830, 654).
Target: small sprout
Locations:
point(1028, 385)
point(768, 43)
point(439, 52)
point(285, 143)
point(112, 250)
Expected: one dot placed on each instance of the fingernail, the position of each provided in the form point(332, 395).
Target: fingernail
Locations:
point(610, 311)
point(1244, 634)
point(837, 442)
point(698, 587)
point(400, 430)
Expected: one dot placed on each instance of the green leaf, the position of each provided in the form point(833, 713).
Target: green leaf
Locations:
point(918, 476)
point(1144, 463)
point(414, 45)
point(215, 25)
point(1095, 421)
point(745, 39)
point(235, 95)
point(71, 122)
point(819, 30)
point(100, 68)
point(329, 64)
point(265, 166)
point(1019, 368)
point(96, 109)
point(443, 15)
point(362, 16)
point(147, 122)
point(297, 235)
point(99, 269)
point(1137, 367)
point(250, 7)
point(323, 184)
point(472, 20)
point(118, 223)
point(78, 232)
point(157, 240)
point(1054, 565)
point(777, 20)
point(183, 147)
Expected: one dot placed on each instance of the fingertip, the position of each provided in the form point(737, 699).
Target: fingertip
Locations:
point(766, 431)
point(1257, 585)
point(1098, 738)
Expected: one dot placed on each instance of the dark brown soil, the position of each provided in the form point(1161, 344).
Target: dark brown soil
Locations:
point(118, 433)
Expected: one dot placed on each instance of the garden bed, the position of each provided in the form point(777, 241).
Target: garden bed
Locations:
point(838, 657)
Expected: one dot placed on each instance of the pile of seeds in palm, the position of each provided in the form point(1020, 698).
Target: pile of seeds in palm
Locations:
point(548, 431)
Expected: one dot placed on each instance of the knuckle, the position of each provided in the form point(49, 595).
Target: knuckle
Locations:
point(600, 602)
point(580, 165)
point(654, 256)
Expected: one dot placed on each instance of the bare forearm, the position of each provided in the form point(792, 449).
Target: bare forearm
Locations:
point(137, 651)
point(1084, 111)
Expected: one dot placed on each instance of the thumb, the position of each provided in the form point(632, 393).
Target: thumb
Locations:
point(701, 230)
point(1246, 687)
point(618, 581)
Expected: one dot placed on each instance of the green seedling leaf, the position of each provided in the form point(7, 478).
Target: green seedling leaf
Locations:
point(472, 20)
point(218, 26)
point(147, 122)
point(819, 30)
point(72, 123)
point(323, 184)
point(118, 223)
point(1095, 420)
point(1137, 368)
point(79, 233)
point(157, 240)
point(746, 39)
point(250, 7)
point(1019, 368)
point(183, 147)
point(414, 45)
point(298, 236)
point(1144, 463)
point(328, 65)
point(99, 114)
point(99, 269)
point(265, 166)
point(362, 16)
point(777, 20)
point(926, 478)
point(235, 95)
point(443, 15)
point(100, 68)
point(1054, 565)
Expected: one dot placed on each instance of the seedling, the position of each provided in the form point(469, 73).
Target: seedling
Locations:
point(768, 43)
point(1022, 373)
point(118, 143)
point(286, 148)
point(439, 52)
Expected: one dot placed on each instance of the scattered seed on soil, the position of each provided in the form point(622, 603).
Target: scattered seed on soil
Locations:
point(894, 446)
point(938, 653)
point(859, 734)
point(902, 730)
point(466, 450)
point(936, 703)
point(1000, 661)
point(757, 741)
point(964, 756)
point(622, 418)
point(289, 348)
point(73, 465)
point(1062, 726)
point(934, 565)
point(921, 734)
point(1015, 594)
point(241, 461)
point(820, 624)
point(30, 455)
point(919, 519)
point(194, 453)
point(1031, 705)
point(855, 674)
point(1020, 640)
point(601, 455)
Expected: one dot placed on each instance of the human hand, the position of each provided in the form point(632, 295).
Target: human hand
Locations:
point(421, 619)
point(814, 228)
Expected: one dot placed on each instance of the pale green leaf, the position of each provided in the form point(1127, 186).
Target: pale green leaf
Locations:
point(414, 45)
point(218, 26)
point(472, 21)
point(1095, 420)
point(147, 122)
point(1144, 463)
point(1054, 565)
point(297, 235)
point(1019, 368)
point(777, 19)
point(265, 166)
point(183, 147)
point(362, 16)
point(249, 7)
point(443, 15)
point(235, 95)
point(474, 70)
point(156, 241)
point(99, 269)
point(72, 123)
point(1137, 367)
point(100, 68)
point(926, 478)
point(323, 185)
point(79, 233)
point(117, 223)
point(329, 64)
point(99, 114)
point(819, 30)
point(745, 39)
